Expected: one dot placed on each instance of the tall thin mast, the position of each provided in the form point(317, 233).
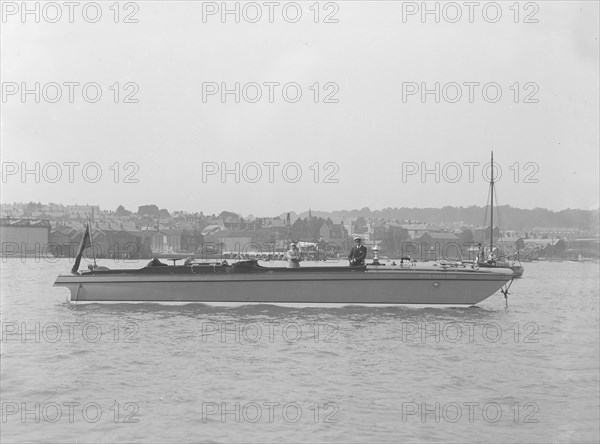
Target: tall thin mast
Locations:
point(492, 206)
point(91, 232)
point(91, 241)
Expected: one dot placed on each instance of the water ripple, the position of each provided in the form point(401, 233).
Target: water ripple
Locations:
point(357, 373)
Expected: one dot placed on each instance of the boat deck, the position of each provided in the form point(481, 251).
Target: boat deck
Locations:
point(252, 267)
point(236, 268)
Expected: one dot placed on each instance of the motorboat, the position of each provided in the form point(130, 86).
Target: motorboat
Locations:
point(250, 282)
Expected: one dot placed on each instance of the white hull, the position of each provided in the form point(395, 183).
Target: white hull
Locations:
point(443, 287)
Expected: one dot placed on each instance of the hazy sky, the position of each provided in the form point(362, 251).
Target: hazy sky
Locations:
point(369, 135)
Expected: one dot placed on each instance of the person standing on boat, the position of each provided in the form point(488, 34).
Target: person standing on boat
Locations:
point(492, 257)
point(480, 254)
point(293, 256)
point(358, 254)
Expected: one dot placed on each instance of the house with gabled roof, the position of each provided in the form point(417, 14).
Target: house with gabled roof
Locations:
point(438, 245)
point(24, 237)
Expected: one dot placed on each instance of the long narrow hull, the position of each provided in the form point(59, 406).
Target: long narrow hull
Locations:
point(407, 286)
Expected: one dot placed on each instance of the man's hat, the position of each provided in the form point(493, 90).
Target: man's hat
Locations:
point(293, 244)
point(357, 238)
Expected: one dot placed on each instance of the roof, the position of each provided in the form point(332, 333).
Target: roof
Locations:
point(511, 239)
point(413, 227)
point(33, 223)
point(172, 231)
point(274, 222)
point(139, 233)
point(234, 233)
point(96, 233)
point(542, 241)
point(65, 231)
point(211, 228)
point(441, 236)
point(114, 232)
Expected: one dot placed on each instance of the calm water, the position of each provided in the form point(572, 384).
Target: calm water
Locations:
point(166, 373)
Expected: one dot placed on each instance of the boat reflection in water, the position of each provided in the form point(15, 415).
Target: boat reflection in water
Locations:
point(249, 282)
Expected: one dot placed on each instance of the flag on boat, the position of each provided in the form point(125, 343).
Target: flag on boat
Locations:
point(85, 242)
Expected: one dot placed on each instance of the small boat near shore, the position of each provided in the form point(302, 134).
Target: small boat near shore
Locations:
point(494, 260)
point(515, 266)
point(249, 282)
